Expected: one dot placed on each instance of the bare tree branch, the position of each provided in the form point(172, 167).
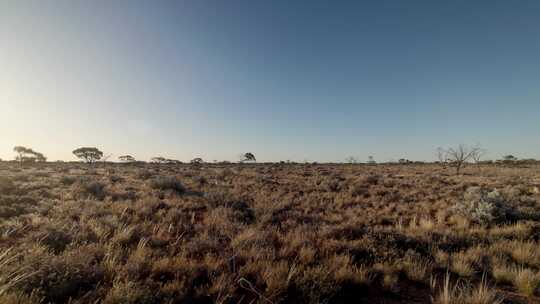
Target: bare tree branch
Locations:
point(459, 156)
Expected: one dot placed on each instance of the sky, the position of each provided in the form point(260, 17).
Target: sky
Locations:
point(285, 80)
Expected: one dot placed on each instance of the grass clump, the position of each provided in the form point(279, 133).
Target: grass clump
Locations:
point(458, 294)
point(85, 189)
point(416, 269)
point(67, 180)
point(6, 185)
point(526, 281)
point(10, 277)
point(167, 183)
point(462, 265)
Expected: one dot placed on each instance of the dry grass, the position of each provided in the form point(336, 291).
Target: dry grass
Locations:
point(482, 294)
point(167, 183)
point(448, 293)
point(10, 277)
point(417, 269)
point(456, 294)
point(462, 265)
point(526, 281)
point(264, 233)
point(503, 273)
point(525, 252)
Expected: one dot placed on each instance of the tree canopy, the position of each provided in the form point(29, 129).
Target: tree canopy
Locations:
point(196, 160)
point(126, 158)
point(28, 155)
point(509, 158)
point(88, 154)
point(249, 157)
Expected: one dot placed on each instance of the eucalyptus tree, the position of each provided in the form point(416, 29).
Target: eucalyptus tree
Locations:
point(88, 154)
point(248, 157)
point(126, 158)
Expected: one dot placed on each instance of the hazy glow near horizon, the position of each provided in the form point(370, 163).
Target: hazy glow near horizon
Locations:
point(298, 80)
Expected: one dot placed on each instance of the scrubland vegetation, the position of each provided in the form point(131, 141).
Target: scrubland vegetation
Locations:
point(268, 233)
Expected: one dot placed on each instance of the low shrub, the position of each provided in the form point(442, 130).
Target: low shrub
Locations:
point(144, 174)
point(89, 189)
point(116, 179)
point(67, 180)
point(482, 206)
point(6, 185)
point(331, 185)
point(167, 183)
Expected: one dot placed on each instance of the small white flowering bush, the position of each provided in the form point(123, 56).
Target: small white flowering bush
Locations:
point(483, 206)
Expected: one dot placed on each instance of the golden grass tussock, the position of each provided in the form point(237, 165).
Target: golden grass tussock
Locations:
point(462, 264)
point(463, 294)
point(526, 281)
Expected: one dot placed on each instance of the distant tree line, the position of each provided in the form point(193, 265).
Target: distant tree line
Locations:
point(457, 157)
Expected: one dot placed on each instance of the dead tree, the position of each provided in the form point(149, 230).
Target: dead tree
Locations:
point(477, 155)
point(457, 156)
point(441, 156)
point(351, 160)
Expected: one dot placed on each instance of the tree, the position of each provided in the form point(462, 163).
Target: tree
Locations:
point(248, 157)
point(351, 160)
point(28, 155)
point(21, 153)
point(477, 155)
point(371, 160)
point(196, 161)
point(158, 159)
point(510, 158)
point(458, 156)
point(441, 155)
point(39, 157)
point(88, 154)
point(126, 158)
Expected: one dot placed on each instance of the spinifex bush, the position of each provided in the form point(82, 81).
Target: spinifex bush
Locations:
point(89, 189)
point(167, 183)
point(6, 185)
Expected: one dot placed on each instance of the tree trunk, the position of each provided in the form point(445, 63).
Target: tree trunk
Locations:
point(458, 168)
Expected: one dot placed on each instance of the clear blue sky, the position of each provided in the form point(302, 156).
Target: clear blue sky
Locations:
point(299, 80)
